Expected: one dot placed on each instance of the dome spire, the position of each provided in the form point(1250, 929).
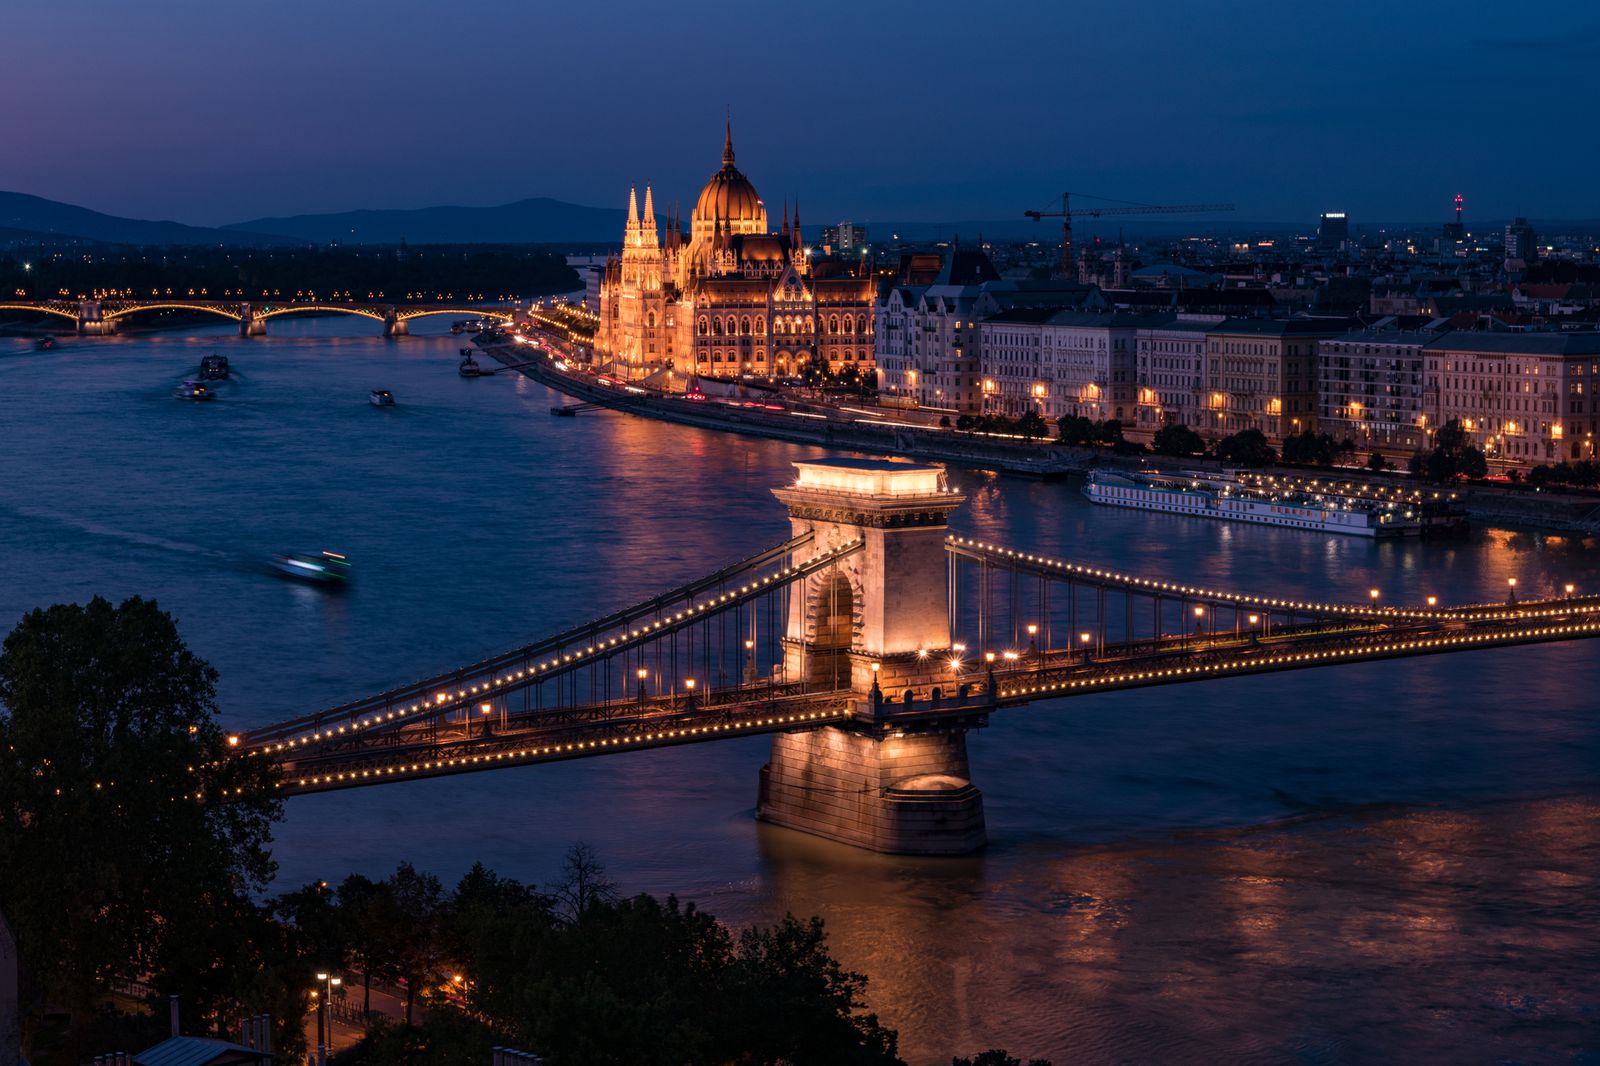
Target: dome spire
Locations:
point(727, 142)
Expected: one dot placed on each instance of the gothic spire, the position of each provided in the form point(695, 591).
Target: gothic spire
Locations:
point(649, 218)
point(785, 229)
point(727, 143)
point(633, 207)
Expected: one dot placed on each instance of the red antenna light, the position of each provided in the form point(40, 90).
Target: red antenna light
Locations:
point(1459, 202)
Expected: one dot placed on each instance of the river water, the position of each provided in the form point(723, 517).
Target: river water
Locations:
point(1378, 863)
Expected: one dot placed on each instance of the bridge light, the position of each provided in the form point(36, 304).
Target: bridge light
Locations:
point(1433, 601)
point(233, 742)
point(1085, 637)
point(485, 708)
point(922, 653)
point(1033, 630)
point(1374, 593)
point(1253, 619)
point(958, 647)
point(1199, 612)
point(1570, 588)
point(1512, 582)
point(988, 656)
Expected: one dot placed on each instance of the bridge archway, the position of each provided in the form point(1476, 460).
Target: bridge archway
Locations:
point(831, 632)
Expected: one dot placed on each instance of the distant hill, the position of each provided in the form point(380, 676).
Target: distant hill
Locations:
point(53, 220)
point(540, 220)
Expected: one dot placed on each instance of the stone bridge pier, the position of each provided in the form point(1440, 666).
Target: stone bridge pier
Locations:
point(393, 324)
point(250, 323)
point(92, 322)
point(895, 779)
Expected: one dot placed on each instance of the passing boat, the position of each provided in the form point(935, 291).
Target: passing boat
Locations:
point(469, 367)
point(381, 398)
point(214, 368)
point(194, 390)
point(319, 568)
point(1238, 497)
point(44, 344)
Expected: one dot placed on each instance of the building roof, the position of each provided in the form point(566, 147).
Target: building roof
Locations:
point(200, 1051)
point(1507, 343)
point(1025, 315)
point(1278, 327)
point(1398, 337)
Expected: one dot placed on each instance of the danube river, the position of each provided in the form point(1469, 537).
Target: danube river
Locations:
point(1383, 863)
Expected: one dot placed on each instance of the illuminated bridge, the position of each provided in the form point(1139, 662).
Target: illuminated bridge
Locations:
point(102, 317)
point(868, 645)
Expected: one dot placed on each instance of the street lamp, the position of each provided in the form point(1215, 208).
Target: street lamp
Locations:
point(325, 1015)
point(1511, 591)
point(641, 673)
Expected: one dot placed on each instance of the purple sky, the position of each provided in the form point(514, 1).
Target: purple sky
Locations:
point(213, 111)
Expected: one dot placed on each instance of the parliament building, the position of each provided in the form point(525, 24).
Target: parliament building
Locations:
point(732, 298)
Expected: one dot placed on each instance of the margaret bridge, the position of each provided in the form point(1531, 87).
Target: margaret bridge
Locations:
point(102, 317)
point(868, 645)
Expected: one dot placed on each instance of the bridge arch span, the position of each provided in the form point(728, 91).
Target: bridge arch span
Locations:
point(43, 309)
point(407, 314)
point(298, 309)
point(178, 305)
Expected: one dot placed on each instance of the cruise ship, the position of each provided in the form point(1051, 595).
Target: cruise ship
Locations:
point(1236, 497)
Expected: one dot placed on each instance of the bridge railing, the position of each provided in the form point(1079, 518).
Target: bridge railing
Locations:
point(392, 704)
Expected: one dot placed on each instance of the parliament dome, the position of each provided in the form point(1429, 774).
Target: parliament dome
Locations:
point(729, 198)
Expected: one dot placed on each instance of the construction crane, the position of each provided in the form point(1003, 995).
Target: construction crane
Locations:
point(1067, 213)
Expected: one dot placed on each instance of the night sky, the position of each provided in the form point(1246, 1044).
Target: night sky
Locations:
point(213, 111)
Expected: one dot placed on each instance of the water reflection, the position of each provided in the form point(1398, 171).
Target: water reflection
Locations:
point(1120, 913)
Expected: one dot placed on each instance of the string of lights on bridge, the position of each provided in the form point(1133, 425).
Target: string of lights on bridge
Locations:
point(637, 740)
point(444, 702)
point(1432, 613)
point(1389, 648)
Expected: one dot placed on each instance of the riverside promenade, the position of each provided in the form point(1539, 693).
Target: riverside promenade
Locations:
point(829, 427)
point(817, 424)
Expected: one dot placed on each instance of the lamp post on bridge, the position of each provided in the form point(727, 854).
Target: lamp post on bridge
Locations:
point(641, 673)
point(749, 662)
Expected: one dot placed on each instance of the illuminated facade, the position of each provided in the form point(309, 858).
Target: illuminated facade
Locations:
point(734, 298)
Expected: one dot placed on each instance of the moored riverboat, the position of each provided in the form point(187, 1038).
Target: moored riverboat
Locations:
point(1232, 498)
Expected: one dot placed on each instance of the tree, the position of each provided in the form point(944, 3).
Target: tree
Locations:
point(995, 1057)
point(1377, 463)
point(1177, 439)
point(369, 926)
point(584, 883)
point(1033, 425)
point(1452, 456)
point(1248, 447)
point(116, 841)
point(419, 905)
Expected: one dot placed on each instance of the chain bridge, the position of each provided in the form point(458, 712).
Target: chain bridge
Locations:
point(103, 317)
point(867, 645)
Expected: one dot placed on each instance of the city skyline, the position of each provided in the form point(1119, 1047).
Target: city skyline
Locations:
point(881, 114)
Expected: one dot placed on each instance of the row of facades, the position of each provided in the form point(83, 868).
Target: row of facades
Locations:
point(1004, 347)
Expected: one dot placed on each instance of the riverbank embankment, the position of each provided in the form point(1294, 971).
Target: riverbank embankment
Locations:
point(831, 428)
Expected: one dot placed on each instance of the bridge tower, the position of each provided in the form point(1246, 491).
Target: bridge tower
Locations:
point(877, 623)
point(393, 324)
point(250, 323)
point(92, 322)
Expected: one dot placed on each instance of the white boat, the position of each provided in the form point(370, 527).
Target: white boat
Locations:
point(1210, 495)
point(381, 398)
point(194, 390)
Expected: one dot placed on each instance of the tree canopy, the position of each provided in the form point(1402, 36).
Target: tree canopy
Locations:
point(126, 833)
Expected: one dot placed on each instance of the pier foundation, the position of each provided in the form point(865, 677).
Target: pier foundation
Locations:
point(906, 795)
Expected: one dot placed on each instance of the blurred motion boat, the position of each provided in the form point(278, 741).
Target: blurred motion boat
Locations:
point(321, 568)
